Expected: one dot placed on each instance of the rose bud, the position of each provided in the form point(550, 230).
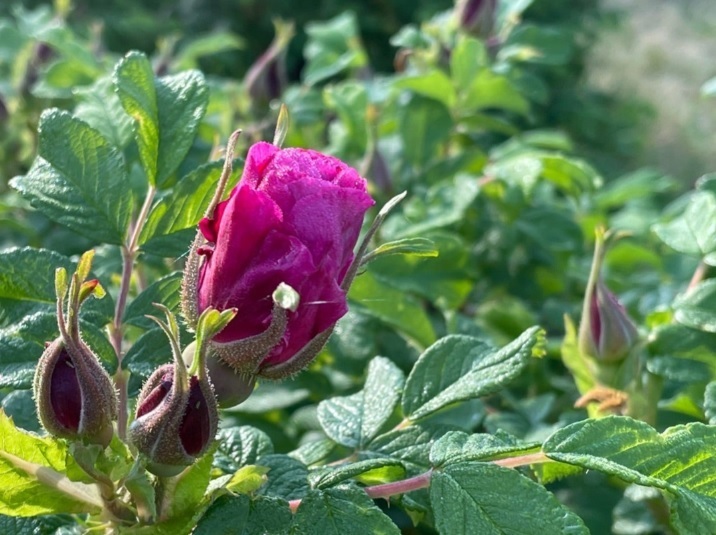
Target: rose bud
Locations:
point(75, 396)
point(606, 333)
point(267, 78)
point(476, 17)
point(177, 415)
point(280, 251)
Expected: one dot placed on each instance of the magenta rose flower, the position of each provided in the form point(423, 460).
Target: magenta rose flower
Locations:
point(293, 218)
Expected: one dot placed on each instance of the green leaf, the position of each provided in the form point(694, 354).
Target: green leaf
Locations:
point(697, 308)
point(457, 446)
point(368, 472)
point(458, 368)
point(41, 524)
point(489, 90)
point(472, 497)
point(537, 44)
point(31, 474)
point(240, 446)
point(333, 46)
point(420, 247)
point(171, 224)
point(166, 291)
point(444, 280)
point(681, 460)
point(20, 406)
point(375, 298)
point(466, 60)
point(241, 515)
point(188, 488)
point(433, 84)
point(340, 511)
point(355, 420)
point(99, 106)
point(313, 452)
point(424, 124)
point(692, 232)
point(411, 445)
point(150, 351)
point(78, 179)
point(205, 45)
point(287, 478)
point(350, 102)
point(710, 402)
point(166, 111)
point(552, 228)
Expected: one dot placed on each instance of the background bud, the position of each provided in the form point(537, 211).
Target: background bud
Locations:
point(606, 333)
point(476, 17)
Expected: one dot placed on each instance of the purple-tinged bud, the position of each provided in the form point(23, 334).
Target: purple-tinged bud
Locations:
point(266, 79)
point(476, 17)
point(75, 396)
point(175, 423)
point(177, 415)
point(606, 333)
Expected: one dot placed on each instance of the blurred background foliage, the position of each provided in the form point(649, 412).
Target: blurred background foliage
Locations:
point(516, 131)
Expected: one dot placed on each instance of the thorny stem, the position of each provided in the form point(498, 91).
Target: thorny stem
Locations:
point(225, 174)
point(422, 481)
point(129, 255)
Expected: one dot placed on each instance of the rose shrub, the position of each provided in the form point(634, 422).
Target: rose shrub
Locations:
point(293, 218)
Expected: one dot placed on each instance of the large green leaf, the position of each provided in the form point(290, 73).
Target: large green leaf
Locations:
point(424, 124)
point(378, 299)
point(31, 473)
point(472, 497)
point(240, 446)
point(171, 224)
point(79, 179)
point(240, 515)
point(369, 472)
point(457, 446)
point(355, 420)
point(458, 368)
point(341, 511)
point(697, 309)
point(167, 112)
point(693, 231)
point(166, 291)
point(681, 461)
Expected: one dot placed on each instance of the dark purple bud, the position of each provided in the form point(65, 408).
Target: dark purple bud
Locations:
point(476, 17)
point(75, 397)
point(175, 421)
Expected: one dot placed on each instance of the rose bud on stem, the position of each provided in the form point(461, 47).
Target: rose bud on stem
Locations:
point(177, 415)
point(280, 251)
point(74, 394)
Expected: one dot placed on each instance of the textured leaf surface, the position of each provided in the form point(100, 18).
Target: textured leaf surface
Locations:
point(458, 368)
point(167, 112)
point(456, 446)
point(79, 179)
point(369, 472)
point(355, 420)
point(241, 515)
point(341, 511)
point(240, 446)
point(471, 497)
point(23, 494)
point(682, 461)
point(166, 290)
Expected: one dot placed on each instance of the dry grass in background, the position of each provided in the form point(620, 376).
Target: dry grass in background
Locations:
point(662, 52)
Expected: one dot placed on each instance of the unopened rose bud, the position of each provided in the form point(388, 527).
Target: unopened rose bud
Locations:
point(177, 415)
point(476, 17)
point(175, 422)
point(266, 79)
point(606, 333)
point(75, 396)
point(279, 250)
